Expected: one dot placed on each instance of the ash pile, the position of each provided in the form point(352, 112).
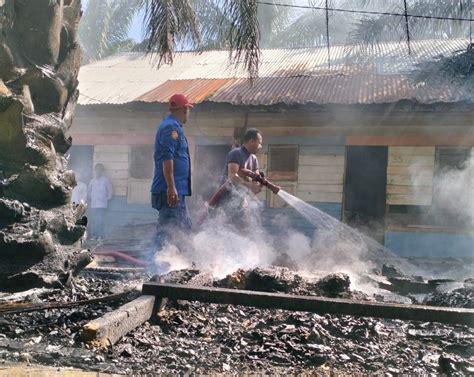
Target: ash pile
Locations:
point(193, 337)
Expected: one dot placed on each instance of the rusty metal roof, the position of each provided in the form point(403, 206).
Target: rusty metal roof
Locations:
point(196, 90)
point(376, 75)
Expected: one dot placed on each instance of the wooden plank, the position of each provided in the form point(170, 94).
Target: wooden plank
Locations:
point(283, 175)
point(111, 148)
point(115, 165)
point(314, 150)
point(321, 197)
point(316, 170)
point(417, 190)
point(410, 170)
point(116, 174)
point(334, 160)
point(319, 188)
point(321, 178)
point(120, 191)
point(108, 329)
point(406, 180)
point(129, 139)
point(111, 157)
point(423, 140)
point(400, 199)
point(194, 130)
point(417, 151)
point(409, 160)
point(119, 182)
point(320, 305)
point(139, 191)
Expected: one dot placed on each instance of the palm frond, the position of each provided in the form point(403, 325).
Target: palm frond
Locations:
point(273, 20)
point(123, 13)
point(213, 23)
point(94, 29)
point(244, 34)
point(169, 22)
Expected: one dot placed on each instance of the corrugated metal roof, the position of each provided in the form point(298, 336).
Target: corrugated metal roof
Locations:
point(196, 90)
point(334, 89)
point(284, 74)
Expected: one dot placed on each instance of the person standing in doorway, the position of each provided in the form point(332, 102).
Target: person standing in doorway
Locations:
point(172, 178)
point(99, 193)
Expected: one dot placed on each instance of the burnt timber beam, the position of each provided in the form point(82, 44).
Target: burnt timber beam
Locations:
point(108, 329)
point(320, 305)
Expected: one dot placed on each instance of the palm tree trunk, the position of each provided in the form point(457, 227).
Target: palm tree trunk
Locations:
point(40, 231)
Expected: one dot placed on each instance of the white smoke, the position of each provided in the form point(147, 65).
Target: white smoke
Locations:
point(221, 248)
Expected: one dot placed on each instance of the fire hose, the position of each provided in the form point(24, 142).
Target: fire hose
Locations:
point(225, 187)
point(121, 255)
point(255, 177)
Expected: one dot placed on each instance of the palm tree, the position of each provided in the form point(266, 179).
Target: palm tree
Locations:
point(40, 231)
point(105, 26)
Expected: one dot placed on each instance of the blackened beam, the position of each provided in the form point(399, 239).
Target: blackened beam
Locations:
point(320, 305)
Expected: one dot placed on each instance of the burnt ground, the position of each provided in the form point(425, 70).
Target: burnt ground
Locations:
point(190, 337)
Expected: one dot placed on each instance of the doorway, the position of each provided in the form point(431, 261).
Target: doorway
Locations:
point(81, 160)
point(208, 169)
point(365, 187)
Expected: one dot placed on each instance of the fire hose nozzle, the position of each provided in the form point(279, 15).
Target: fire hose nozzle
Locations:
point(260, 178)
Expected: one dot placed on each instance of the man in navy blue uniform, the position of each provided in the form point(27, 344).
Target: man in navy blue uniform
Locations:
point(172, 178)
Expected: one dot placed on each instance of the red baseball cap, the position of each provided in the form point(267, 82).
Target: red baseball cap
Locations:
point(179, 101)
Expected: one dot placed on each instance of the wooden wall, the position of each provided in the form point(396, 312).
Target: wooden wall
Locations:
point(410, 175)
point(321, 174)
point(321, 165)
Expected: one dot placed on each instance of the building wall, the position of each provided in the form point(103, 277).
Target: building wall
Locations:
point(320, 140)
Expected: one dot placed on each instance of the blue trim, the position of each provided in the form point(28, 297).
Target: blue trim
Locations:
point(422, 244)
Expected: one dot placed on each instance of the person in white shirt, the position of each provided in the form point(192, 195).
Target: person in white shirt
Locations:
point(99, 193)
point(79, 193)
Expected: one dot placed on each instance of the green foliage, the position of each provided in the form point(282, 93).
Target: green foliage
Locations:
point(104, 27)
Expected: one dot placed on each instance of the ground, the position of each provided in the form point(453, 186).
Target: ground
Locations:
point(191, 337)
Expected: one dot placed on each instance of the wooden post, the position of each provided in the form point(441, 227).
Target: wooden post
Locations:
point(321, 305)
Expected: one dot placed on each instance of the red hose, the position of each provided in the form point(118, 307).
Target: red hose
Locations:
point(119, 254)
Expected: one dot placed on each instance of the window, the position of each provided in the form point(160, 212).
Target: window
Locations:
point(141, 161)
point(283, 162)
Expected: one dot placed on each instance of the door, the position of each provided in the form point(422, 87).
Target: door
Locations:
point(208, 169)
point(365, 188)
point(81, 159)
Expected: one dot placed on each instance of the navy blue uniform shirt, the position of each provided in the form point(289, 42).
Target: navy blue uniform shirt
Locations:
point(171, 144)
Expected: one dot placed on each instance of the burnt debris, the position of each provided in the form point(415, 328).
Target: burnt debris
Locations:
point(193, 337)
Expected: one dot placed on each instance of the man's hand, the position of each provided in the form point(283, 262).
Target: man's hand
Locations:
point(256, 187)
point(172, 196)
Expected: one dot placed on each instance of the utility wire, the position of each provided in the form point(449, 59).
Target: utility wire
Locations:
point(368, 12)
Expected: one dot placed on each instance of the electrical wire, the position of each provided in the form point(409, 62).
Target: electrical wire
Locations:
point(358, 11)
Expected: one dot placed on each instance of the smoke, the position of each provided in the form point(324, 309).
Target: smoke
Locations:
point(219, 247)
point(453, 193)
point(452, 190)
